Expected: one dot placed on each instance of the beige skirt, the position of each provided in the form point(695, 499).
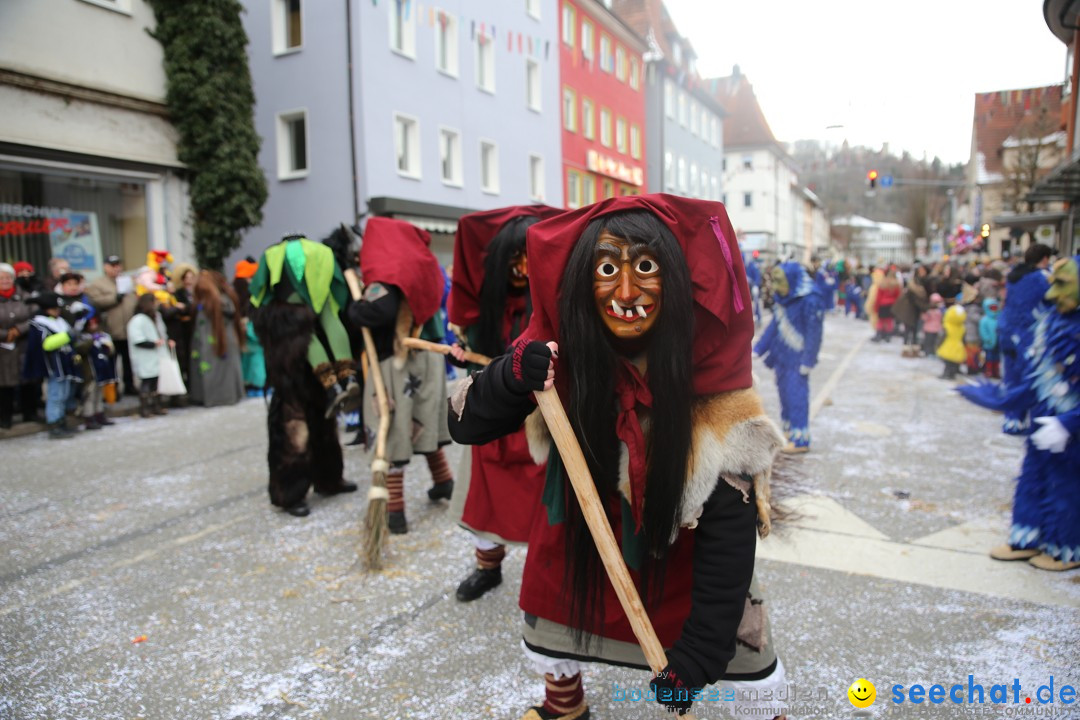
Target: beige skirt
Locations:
point(417, 392)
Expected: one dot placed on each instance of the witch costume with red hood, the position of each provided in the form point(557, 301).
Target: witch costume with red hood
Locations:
point(402, 293)
point(647, 299)
point(498, 485)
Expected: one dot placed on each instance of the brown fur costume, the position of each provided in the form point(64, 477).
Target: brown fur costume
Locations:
point(304, 447)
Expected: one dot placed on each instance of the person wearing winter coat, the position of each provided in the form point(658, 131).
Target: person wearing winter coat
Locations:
point(952, 350)
point(114, 297)
point(931, 324)
point(147, 338)
point(1024, 306)
point(913, 302)
point(888, 292)
point(15, 317)
point(50, 355)
point(988, 335)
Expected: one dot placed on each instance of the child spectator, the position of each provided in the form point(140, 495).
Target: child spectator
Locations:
point(49, 355)
point(99, 370)
point(146, 337)
point(988, 334)
point(75, 304)
point(931, 324)
point(952, 351)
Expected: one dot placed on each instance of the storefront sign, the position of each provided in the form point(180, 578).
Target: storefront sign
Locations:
point(630, 174)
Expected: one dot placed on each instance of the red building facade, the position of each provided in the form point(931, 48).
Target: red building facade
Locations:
point(602, 90)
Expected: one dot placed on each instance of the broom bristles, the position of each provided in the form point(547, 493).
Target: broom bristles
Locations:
point(375, 524)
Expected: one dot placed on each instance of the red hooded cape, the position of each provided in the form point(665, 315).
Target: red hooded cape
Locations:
point(474, 233)
point(396, 253)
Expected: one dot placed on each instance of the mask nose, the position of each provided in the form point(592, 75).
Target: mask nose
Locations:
point(625, 292)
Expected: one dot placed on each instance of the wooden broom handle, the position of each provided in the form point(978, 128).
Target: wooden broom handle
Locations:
point(356, 289)
point(418, 344)
point(585, 489)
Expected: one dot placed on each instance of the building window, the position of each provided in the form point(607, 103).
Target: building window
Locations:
point(682, 106)
point(693, 116)
point(715, 188)
point(620, 64)
point(669, 171)
point(635, 142)
point(747, 162)
point(682, 174)
point(748, 200)
point(669, 99)
point(588, 119)
point(609, 189)
point(407, 145)
point(533, 87)
point(287, 26)
point(704, 184)
point(635, 74)
point(489, 167)
point(569, 109)
point(446, 44)
point(403, 28)
point(573, 189)
point(620, 135)
point(450, 156)
point(485, 63)
point(536, 178)
point(588, 189)
point(588, 44)
point(605, 53)
point(705, 124)
point(532, 8)
point(723, 164)
point(716, 131)
point(723, 198)
point(569, 19)
point(605, 127)
point(292, 144)
point(695, 188)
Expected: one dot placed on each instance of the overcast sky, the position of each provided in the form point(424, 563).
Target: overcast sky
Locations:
point(904, 73)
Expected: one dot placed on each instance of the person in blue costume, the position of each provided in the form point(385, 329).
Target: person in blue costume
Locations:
point(790, 347)
point(825, 281)
point(753, 279)
point(1045, 527)
point(1024, 304)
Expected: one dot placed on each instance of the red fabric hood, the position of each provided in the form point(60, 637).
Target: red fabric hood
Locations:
point(395, 252)
point(474, 233)
point(723, 322)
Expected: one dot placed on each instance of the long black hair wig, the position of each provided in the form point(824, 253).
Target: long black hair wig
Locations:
point(587, 353)
point(509, 241)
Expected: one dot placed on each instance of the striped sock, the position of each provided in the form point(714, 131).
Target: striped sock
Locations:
point(563, 696)
point(395, 479)
point(439, 467)
point(490, 559)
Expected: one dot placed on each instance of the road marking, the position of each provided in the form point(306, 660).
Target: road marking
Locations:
point(834, 379)
point(120, 564)
point(953, 559)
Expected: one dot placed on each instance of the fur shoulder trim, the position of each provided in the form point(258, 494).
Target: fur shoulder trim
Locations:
point(538, 437)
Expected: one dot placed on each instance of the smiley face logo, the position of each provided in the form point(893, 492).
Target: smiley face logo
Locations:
point(862, 693)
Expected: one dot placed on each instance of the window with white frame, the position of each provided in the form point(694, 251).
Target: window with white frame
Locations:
point(669, 171)
point(635, 142)
point(292, 144)
point(620, 135)
point(485, 62)
point(723, 198)
point(588, 41)
point(536, 178)
point(606, 60)
point(287, 26)
point(693, 117)
point(682, 108)
point(588, 119)
point(669, 99)
point(620, 63)
point(446, 43)
point(403, 27)
point(748, 199)
point(635, 74)
point(533, 87)
point(715, 187)
point(605, 127)
point(748, 163)
point(489, 166)
point(704, 184)
point(532, 7)
point(682, 174)
point(450, 156)
point(573, 189)
point(569, 109)
point(609, 189)
point(704, 124)
point(569, 20)
point(695, 188)
point(407, 145)
point(588, 188)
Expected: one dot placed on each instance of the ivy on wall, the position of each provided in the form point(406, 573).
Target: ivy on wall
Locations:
point(211, 101)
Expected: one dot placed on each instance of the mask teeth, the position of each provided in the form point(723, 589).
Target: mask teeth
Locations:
point(629, 312)
point(641, 311)
point(615, 307)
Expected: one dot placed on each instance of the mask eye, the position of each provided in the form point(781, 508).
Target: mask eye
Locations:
point(606, 269)
point(647, 266)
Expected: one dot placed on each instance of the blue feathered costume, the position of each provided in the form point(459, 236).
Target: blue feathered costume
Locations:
point(790, 347)
point(1046, 507)
point(1023, 308)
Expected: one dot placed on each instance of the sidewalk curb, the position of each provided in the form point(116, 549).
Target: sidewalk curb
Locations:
point(121, 408)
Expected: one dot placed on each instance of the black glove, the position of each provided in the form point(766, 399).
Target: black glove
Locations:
point(454, 361)
point(671, 692)
point(525, 368)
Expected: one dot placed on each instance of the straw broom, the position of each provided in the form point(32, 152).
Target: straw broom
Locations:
point(585, 490)
point(375, 522)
